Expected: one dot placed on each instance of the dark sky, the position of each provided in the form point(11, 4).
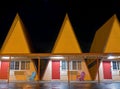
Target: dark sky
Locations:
point(43, 19)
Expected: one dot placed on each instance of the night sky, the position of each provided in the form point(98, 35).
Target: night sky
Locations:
point(43, 19)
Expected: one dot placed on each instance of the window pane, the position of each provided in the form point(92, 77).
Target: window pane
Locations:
point(79, 65)
point(12, 65)
point(118, 65)
point(27, 65)
point(22, 65)
point(114, 65)
point(16, 65)
point(74, 66)
point(64, 65)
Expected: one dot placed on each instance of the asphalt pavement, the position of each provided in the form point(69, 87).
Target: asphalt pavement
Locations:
point(60, 85)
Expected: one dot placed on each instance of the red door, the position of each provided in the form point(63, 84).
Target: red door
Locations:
point(4, 69)
point(107, 70)
point(55, 69)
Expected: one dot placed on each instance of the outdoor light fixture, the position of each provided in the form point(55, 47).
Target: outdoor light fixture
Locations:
point(5, 57)
point(113, 57)
point(57, 57)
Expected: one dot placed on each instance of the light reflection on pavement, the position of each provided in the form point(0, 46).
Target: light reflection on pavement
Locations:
point(59, 85)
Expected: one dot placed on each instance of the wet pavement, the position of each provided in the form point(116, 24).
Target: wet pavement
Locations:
point(59, 85)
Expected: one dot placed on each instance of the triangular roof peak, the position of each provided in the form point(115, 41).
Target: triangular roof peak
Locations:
point(16, 40)
point(115, 16)
point(66, 16)
point(109, 31)
point(17, 16)
point(66, 41)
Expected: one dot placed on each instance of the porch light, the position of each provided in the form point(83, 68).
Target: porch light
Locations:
point(5, 57)
point(57, 57)
point(113, 57)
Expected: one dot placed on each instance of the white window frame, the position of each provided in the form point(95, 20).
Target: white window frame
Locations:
point(71, 65)
point(19, 64)
point(64, 65)
point(116, 64)
point(77, 63)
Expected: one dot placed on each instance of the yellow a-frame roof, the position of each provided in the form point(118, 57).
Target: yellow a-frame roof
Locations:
point(66, 41)
point(16, 41)
point(107, 38)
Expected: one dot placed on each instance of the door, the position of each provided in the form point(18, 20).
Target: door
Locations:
point(4, 70)
point(107, 70)
point(55, 69)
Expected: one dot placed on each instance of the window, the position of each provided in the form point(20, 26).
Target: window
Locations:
point(20, 65)
point(79, 65)
point(73, 65)
point(27, 65)
point(64, 65)
point(16, 65)
point(12, 65)
point(116, 65)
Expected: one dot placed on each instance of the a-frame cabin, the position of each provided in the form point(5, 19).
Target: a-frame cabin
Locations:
point(16, 68)
point(66, 42)
point(107, 40)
